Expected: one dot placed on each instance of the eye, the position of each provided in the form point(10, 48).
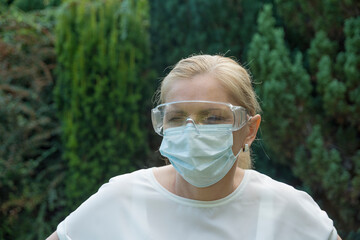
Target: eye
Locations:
point(215, 116)
point(214, 119)
point(174, 119)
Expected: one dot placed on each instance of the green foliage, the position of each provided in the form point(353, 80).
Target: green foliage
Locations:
point(29, 5)
point(30, 164)
point(285, 86)
point(102, 50)
point(303, 19)
point(332, 179)
point(311, 105)
point(181, 28)
point(26, 5)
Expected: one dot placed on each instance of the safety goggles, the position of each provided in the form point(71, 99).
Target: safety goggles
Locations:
point(177, 114)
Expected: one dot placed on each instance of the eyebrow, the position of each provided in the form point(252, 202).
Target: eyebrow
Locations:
point(211, 109)
point(175, 112)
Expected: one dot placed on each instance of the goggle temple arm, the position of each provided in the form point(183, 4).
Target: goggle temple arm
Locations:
point(156, 120)
point(241, 117)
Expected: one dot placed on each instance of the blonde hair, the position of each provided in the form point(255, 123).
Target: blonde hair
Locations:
point(233, 77)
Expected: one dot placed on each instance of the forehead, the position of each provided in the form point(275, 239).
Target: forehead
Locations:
point(201, 87)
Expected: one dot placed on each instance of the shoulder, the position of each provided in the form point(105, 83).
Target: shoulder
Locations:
point(289, 207)
point(267, 188)
point(126, 180)
point(118, 189)
point(265, 185)
point(119, 185)
point(112, 201)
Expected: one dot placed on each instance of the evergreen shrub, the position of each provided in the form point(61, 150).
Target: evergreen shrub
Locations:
point(31, 170)
point(103, 51)
point(182, 28)
point(311, 102)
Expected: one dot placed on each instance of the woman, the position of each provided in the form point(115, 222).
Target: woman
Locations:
point(208, 119)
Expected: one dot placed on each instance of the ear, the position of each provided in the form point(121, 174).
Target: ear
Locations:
point(253, 124)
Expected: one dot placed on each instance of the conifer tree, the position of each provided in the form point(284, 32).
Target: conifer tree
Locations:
point(181, 28)
point(311, 104)
point(102, 49)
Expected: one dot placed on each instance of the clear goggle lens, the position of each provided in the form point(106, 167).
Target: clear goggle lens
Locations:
point(177, 114)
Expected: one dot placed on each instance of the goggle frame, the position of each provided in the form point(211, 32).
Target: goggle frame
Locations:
point(239, 113)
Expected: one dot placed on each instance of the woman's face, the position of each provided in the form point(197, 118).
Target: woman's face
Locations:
point(206, 88)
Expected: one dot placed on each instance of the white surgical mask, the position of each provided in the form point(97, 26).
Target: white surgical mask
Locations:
point(201, 154)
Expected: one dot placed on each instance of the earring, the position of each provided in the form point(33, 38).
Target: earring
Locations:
point(246, 148)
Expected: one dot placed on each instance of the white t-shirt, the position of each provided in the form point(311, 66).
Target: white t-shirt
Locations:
point(136, 206)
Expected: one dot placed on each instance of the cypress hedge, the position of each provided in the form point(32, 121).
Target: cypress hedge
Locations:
point(102, 49)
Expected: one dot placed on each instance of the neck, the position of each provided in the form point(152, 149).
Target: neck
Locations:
point(216, 191)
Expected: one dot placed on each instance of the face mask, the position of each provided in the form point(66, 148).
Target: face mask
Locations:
point(201, 154)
